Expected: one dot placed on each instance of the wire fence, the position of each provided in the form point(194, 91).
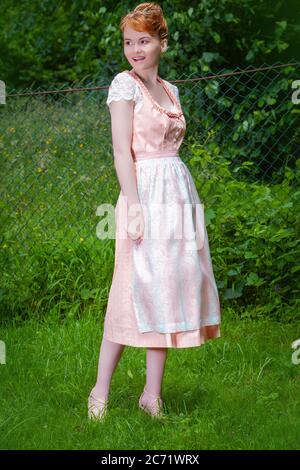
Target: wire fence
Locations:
point(57, 164)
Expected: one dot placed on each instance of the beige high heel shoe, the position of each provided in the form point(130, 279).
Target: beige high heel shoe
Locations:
point(97, 408)
point(153, 405)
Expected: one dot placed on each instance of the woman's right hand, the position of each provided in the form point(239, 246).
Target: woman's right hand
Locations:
point(136, 223)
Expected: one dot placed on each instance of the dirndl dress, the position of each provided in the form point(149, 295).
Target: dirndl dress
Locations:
point(163, 292)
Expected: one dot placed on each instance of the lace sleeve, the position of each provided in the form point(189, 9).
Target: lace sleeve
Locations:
point(121, 87)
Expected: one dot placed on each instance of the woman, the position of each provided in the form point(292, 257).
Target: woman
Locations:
point(163, 292)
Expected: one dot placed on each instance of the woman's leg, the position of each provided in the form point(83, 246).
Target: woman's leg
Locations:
point(110, 354)
point(156, 358)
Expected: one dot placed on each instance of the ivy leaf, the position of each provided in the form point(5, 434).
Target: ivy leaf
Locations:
point(254, 280)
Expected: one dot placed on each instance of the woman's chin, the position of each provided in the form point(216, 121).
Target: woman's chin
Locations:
point(138, 64)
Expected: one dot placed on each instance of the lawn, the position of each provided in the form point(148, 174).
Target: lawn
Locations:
point(240, 391)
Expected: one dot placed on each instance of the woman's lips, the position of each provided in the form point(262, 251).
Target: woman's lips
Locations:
point(138, 60)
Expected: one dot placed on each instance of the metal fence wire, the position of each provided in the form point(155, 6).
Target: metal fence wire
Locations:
point(57, 156)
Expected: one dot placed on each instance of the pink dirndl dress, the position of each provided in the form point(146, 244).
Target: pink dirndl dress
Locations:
point(163, 291)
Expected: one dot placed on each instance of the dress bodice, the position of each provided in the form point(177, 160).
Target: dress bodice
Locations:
point(157, 131)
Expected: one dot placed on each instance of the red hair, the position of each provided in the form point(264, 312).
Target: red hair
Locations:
point(146, 17)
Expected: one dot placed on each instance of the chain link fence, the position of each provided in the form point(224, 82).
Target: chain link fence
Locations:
point(57, 156)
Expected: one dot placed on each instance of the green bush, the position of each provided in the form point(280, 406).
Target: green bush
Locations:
point(254, 234)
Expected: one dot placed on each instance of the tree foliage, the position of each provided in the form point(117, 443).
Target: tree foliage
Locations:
point(45, 42)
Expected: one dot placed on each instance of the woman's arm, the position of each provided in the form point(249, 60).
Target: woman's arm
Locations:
point(121, 128)
point(121, 99)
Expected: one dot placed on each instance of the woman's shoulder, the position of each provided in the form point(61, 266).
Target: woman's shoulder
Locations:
point(173, 88)
point(123, 78)
point(122, 85)
point(171, 85)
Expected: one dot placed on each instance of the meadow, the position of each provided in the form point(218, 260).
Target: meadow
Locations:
point(240, 391)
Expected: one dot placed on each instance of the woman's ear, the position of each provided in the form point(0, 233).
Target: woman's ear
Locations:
point(164, 46)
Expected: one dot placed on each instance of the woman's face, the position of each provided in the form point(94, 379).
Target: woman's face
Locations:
point(142, 45)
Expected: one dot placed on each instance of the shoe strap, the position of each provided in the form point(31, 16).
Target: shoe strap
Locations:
point(98, 400)
point(151, 395)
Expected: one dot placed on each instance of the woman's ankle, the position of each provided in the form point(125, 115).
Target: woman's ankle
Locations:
point(151, 393)
point(98, 394)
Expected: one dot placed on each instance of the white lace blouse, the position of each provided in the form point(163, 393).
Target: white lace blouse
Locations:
point(125, 86)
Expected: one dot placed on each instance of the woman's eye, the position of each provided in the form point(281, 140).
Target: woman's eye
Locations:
point(143, 41)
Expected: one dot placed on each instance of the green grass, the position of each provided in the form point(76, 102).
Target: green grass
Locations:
point(240, 391)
